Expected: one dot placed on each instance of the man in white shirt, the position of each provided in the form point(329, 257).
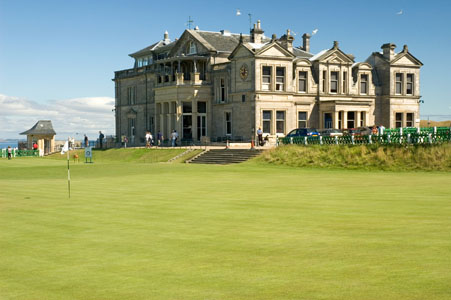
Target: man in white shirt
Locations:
point(174, 137)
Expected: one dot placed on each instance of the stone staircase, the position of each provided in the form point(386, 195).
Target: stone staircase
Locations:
point(224, 156)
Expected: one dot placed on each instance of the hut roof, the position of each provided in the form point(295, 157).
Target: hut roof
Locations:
point(43, 127)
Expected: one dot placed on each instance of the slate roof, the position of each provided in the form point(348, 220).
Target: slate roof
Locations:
point(224, 43)
point(147, 49)
point(301, 53)
point(41, 127)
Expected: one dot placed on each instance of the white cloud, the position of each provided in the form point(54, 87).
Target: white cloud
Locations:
point(70, 116)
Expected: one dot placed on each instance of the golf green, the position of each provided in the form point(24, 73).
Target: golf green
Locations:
point(248, 231)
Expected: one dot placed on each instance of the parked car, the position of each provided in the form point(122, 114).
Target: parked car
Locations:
point(331, 132)
point(303, 132)
point(358, 131)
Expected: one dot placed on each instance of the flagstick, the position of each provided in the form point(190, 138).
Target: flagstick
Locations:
point(68, 171)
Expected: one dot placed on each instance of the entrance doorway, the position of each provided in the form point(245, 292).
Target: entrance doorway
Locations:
point(187, 127)
point(201, 126)
point(328, 120)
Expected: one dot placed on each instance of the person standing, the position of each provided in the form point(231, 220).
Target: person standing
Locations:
point(159, 138)
point(86, 140)
point(101, 137)
point(10, 152)
point(148, 139)
point(260, 136)
point(174, 136)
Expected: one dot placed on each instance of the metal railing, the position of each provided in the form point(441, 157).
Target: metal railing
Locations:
point(420, 137)
point(19, 153)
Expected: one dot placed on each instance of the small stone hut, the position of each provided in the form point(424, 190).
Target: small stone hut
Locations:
point(43, 134)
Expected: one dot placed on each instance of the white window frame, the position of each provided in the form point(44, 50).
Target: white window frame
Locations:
point(192, 48)
point(412, 76)
point(306, 118)
point(270, 120)
point(281, 120)
point(336, 81)
point(401, 82)
point(412, 121)
point(280, 80)
point(266, 86)
point(304, 79)
point(366, 83)
point(402, 119)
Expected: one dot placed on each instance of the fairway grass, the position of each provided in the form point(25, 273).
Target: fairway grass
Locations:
point(247, 231)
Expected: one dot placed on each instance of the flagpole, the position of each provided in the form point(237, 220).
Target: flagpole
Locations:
point(68, 170)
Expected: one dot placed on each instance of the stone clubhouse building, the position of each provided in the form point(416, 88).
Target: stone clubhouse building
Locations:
point(209, 85)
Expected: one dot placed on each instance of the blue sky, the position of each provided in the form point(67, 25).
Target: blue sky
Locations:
point(56, 51)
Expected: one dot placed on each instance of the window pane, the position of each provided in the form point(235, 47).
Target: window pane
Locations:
point(187, 107)
point(302, 85)
point(266, 70)
point(398, 87)
point(333, 86)
point(363, 88)
point(280, 126)
point(267, 115)
point(202, 107)
point(334, 76)
point(280, 115)
point(280, 71)
point(302, 115)
point(266, 126)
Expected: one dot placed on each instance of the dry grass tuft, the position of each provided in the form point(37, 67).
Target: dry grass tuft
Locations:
point(367, 157)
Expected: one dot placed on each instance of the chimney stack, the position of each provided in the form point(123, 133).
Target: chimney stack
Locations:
point(257, 33)
point(388, 51)
point(166, 39)
point(306, 42)
point(287, 41)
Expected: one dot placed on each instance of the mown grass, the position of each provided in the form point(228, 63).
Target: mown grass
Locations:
point(364, 157)
point(248, 231)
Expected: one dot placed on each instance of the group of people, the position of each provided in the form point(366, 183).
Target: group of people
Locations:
point(262, 141)
point(101, 137)
point(150, 140)
point(378, 130)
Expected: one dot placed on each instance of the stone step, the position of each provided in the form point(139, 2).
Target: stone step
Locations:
point(225, 156)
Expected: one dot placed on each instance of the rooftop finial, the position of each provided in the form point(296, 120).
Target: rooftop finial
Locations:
point(335, 44)
point(405, 49)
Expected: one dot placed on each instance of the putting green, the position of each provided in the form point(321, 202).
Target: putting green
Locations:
point(248, 231)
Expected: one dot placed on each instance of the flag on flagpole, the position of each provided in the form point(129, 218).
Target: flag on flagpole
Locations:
point(65, 148)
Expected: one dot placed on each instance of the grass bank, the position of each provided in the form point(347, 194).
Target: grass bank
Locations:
point(369, 157)
point(128, 155)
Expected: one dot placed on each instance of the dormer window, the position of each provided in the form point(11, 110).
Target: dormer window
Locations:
point(302, 81)
point(334, 82)
point(364, 84)
point(192, 48)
